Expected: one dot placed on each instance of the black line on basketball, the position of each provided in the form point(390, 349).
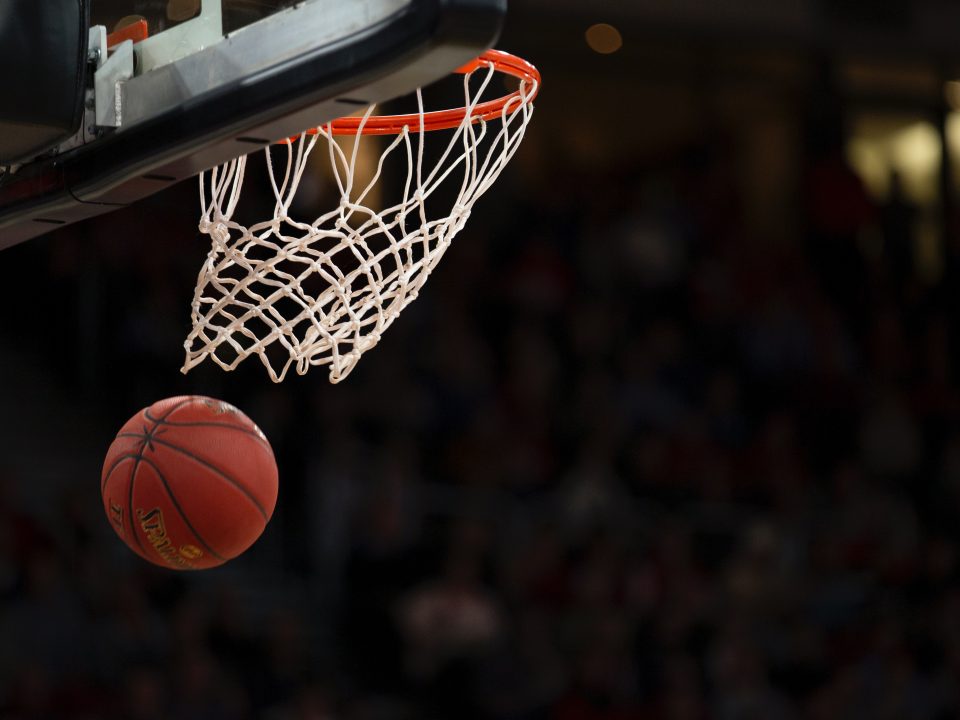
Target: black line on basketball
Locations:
point(109, 473)
point(238, 428)
point(217, 470)
point(206, 463)
point(133, 517)
point(181, 513)
point(187, 399)
point(142, 436)
point(106, 483)
point(148, 436)
point(133, 475)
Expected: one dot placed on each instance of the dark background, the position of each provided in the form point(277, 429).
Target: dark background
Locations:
point(671, 433)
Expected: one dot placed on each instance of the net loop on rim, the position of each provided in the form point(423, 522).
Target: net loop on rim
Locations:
point(299, 294)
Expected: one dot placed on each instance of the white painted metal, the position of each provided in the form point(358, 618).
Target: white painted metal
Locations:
point(182, 40)
point(107, 84)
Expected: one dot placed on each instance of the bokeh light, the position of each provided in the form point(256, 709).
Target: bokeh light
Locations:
point(604, 39)
point(951, 91)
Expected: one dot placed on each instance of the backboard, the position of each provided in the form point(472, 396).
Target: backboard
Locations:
point(175, 87)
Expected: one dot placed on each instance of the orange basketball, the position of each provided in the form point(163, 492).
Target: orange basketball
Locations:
point(189, 483)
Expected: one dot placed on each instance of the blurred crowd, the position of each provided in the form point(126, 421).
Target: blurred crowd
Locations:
point(623, 460)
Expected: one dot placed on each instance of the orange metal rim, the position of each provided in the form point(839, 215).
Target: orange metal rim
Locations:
point(446, 119)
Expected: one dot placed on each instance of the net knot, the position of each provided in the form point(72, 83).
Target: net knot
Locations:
point(217, 230)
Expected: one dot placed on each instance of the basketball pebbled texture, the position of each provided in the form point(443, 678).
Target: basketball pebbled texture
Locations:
point(189, 483)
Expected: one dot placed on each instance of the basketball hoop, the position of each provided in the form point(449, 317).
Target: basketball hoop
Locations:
point(301, 294)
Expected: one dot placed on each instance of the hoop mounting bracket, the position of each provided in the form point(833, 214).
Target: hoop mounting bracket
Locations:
point(107, 84)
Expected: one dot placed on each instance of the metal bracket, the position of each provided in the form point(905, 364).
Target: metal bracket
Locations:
point(181, 40)
point(96, 57)
point(97, 46)
point(117, 69)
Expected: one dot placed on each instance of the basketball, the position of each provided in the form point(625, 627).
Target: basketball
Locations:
point(189, 483)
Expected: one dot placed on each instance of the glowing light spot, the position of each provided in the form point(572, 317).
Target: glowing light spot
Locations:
point(951, 91)
point(604, 39)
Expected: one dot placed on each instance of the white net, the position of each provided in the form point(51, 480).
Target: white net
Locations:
point(322, 292)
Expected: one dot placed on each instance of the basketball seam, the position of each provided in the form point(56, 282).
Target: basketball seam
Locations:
point(186, 400)
point(133, 479)
point(106, 476)
point(138, 458)
point(210, 466)
point(105, 483)
point(238, 428)
point(181, 513)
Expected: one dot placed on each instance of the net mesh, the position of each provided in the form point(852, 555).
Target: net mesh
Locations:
point(322, 293)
